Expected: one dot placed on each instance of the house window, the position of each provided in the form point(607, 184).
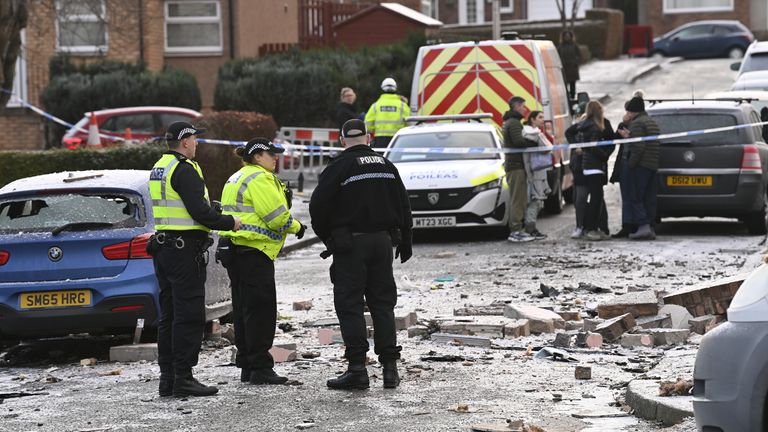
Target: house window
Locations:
point(19, 78)
point(81, 26)
point(506, 6)
point(471, 11)
point(193, 27)
point(692, 6)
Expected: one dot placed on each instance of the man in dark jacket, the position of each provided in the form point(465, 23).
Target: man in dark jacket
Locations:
point(360, 210)
point(571, 58)
point(345, 109)
point(640, 162)
point(513, 164)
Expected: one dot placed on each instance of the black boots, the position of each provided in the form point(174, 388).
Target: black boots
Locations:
point(355, 378)
point(391, 377)
point(188, 386)
point(166, 385)
point(625, 231)
point(245, 375)
point(266, 376)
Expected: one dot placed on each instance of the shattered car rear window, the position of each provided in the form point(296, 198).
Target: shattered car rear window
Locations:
point(38, 213)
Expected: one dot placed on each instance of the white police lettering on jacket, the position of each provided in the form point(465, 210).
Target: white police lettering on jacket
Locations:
point(388, 108)
point(156, 173)
point(365, 160)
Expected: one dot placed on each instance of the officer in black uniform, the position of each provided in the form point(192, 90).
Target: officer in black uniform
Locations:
point(360, 210)
point(179, 249)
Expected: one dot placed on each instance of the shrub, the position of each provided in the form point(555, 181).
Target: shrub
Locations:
point(301, 88)
point(219, 161)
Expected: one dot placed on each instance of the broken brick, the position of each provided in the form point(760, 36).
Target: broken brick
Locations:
point(668, 336)
point(303, 305)
point(539, 320)
point(417, 330)
point(282, 353)
point(583, 372)
point(562, 340)
point(637, 303)
point(633, 340)
point(494, 309)
point(612, 329)
point(328, 336)
point(404, 321)
point(656, 321)
point(569, 315)
point(461, 340)
point(594, 340)
point(590, 324)
point(710, 298)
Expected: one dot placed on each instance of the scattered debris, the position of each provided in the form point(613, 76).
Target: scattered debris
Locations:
point(310, 354)
point(52, 379)
point(593, 288)
point(656, 321)
point(590, 324)
point(614, 328)
point(113, 372)
point(444, 254)
point(461, 339)
point(554, 354)
point(286, 327)
point(540, 320)
point(705, 323)
point(433, 356)
point(583, 373)
point(303, 305)
point(487, 326)
point(636, 303)
point(711, 298)
point(681, 387)
point(548, 291)
point(668, 336)
point(636, 340)
point(494, 309)
point(328, 336)
point(88, 362)
point(562, 340)
point(402, 322)
point(282, 353)
point(305, 425)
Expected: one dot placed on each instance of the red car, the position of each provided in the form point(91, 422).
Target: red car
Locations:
point(145, 122)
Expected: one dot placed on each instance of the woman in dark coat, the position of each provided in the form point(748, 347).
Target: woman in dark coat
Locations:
point(571, 59)
point(594, 168)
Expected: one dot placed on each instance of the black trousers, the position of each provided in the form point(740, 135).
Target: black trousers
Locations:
point(381, 141)
point(256, 299)
point(571, 89)
point(233, 271)
point(181, 274)
point(596, 215)
point(364, 275)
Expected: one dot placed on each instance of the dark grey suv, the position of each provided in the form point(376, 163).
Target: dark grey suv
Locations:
point(718, 174)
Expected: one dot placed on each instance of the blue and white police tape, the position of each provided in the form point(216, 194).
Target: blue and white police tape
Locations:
point(494, 150)
point(55, 119)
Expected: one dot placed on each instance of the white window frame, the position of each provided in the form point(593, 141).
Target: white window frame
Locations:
point(20, 78)
point(194, 20)
point(508, 9)
point(697, 9)
point(82, 49)
point(479, 12)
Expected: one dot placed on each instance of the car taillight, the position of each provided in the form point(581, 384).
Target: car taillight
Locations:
point(4, 256)
point(72, 143)
point(134, 249)
point(127, 308)
point(750, 162)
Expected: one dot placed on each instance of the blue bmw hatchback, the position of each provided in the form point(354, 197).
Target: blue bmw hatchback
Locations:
point(72, 255)
point(699, 39)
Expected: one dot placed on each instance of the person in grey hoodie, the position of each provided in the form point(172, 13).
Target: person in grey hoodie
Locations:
point(513, 164)
point(640, 161)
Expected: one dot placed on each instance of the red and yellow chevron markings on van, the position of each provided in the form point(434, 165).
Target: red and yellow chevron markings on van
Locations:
point(477, 79)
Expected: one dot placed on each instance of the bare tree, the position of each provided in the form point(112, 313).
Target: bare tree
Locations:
point(13, 18)
point(567, 23)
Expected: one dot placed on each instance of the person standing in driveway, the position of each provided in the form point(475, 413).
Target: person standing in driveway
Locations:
point(571, 58)
point(360, 210)
point(640, 161)
point(256, 196)
point(513, 165)
point(345, 109)
point(183, 218)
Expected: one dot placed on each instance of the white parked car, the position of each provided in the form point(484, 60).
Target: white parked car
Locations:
point(453, 188)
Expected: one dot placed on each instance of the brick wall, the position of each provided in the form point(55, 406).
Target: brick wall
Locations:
point(663, 23)
point(449, 11)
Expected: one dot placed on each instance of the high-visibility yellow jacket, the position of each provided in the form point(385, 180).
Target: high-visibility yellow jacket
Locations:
point(169, 211)
point(257, 197)
point(387, 115)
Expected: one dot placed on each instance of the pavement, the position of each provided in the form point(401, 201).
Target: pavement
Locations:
point(603, 78)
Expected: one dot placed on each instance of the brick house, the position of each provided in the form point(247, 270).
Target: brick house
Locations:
point(197, 36)
point(473, 12)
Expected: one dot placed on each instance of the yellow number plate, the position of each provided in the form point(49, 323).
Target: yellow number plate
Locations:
point(55, 299)
point(705, 181)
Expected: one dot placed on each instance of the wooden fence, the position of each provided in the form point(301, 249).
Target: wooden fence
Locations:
point(317, 17)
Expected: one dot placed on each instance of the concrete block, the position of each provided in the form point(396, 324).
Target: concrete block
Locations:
point(539, 320)
point(636, 340)
point(404, 321)
point(679, 316)
point(487, 326)
point(594, 340)
point(282, 353)
point(303, 305)
point(328, 336)
point(569, 315)
point(612, 329)
point(133, 353)
point(709, 298)
point(583, 373)
point(517, 328)
point(494, 309)
point(461, 340)
point(636, 303)
point(699, 324)
point(574, 325)
point(562, 340)
point(668, 336)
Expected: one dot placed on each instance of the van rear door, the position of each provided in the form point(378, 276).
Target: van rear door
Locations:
point(468, 77)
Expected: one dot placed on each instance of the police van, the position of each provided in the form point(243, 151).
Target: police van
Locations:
point(477, 77)
point(453, 172)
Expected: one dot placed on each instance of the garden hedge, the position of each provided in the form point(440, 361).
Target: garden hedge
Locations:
point(301, 88)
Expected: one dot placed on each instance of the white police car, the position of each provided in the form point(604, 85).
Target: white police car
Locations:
point(453, 172)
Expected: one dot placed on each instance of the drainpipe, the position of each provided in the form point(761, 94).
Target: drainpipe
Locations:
point(141, 31)
point(231, 29)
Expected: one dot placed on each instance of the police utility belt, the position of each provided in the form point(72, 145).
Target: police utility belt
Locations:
point(178, 240)
point(341, 240)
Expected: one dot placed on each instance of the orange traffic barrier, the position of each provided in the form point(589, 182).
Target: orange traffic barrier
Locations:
point(94, 140)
